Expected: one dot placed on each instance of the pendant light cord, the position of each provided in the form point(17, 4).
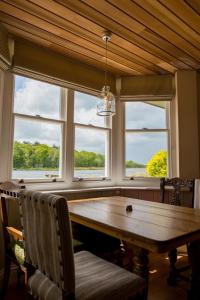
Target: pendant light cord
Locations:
point(106, 61)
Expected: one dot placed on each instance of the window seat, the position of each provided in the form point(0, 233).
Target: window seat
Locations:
point(143, 193)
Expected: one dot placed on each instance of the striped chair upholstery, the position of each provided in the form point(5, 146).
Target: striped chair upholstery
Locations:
point(60, 274)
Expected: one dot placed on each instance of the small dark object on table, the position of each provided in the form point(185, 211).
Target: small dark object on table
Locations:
point(129, 208)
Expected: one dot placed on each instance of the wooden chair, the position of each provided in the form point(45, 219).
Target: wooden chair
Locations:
point(13, 244)
point(59, 273)
point(175, 187)
point(171, 190)
point(12, 234)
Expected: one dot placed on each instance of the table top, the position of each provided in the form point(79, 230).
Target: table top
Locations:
point(153, 226)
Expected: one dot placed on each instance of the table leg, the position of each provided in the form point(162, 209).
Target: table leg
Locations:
point(140, 262)
point(171, 280)
point(194, 255)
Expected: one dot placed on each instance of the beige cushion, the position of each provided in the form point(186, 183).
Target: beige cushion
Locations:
point(96, 279)
point(43, 288)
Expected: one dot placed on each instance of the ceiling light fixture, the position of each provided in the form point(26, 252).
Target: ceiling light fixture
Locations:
point(106, 103)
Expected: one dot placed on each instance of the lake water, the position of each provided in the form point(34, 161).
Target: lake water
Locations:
point(25, 174)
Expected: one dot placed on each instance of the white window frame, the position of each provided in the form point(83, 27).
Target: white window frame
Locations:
point(142, 181)
point(108, 131)
point(116, 140)
point(37, 118)
point(6, 150)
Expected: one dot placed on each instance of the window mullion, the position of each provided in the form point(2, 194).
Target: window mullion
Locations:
point(70, 143)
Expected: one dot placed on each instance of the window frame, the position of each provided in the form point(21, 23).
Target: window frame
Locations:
point(142, 180)
point(37, 118)
point(116, 139)
point(108, 154)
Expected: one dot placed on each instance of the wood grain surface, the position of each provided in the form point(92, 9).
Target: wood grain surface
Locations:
point(148, 37)
point(153, 226)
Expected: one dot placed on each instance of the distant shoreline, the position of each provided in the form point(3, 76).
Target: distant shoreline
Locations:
point(77, 168)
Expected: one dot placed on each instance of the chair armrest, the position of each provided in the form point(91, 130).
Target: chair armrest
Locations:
point(16, 234)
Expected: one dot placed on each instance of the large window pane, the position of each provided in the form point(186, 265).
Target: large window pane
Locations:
point(140, 148)
point(36, 150)
point(85, 110)
point(90, 153)
point(140, 115)
point(34, 97)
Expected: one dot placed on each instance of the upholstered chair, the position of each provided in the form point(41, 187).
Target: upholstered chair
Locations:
point(58, 272)
point(12, 234)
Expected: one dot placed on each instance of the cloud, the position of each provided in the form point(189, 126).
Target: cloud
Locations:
point(86, 110)
point(34, 97)
point(34, 131)
point(143, 115)
point(90, 140)
point(140, 147)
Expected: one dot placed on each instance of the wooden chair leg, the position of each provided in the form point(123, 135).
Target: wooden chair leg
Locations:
point(172, 267)
point(6, 276)
point(19, 273)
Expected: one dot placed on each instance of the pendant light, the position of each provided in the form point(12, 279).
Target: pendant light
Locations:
point(106, 103)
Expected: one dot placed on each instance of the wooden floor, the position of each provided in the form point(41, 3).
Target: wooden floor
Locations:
point(158, 288)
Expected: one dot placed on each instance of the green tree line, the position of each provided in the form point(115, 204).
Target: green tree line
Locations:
point(35, 156)
point(85, 159)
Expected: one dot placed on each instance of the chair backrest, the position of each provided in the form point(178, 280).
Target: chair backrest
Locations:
point(9, 191)
point(175, 187)
point(47, 237)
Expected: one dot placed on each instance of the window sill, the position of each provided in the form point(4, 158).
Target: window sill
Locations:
point(77, 179)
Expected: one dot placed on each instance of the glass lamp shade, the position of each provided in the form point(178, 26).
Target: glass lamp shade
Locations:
point(106, 103)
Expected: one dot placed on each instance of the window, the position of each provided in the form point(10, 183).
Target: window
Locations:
point(146, 139)
point(38, 130)
point(92, 139)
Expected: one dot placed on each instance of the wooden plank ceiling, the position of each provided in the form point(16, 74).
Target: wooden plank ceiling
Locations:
point(148, 36)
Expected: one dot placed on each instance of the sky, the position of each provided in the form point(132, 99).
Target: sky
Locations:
point(33, 97)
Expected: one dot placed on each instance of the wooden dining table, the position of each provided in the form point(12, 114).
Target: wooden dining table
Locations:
point(144, 227)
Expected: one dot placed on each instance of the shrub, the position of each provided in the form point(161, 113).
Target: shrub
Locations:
point(157, 165)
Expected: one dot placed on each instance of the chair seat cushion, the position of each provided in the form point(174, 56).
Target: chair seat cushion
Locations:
point(18, 251)
point(41, 287)
point(96, 279)
point(100, 280)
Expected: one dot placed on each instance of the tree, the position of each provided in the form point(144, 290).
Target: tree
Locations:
point(133, 164)
point(18, 157)
point(157, 165)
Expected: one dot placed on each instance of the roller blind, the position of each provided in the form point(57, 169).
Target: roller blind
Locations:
point(158, 86)
point(29, 56)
